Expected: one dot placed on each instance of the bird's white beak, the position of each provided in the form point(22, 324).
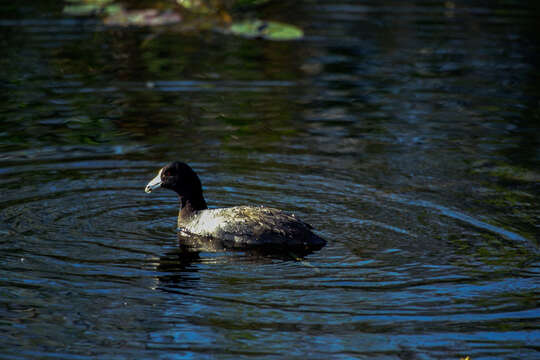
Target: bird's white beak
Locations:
point(154, 184)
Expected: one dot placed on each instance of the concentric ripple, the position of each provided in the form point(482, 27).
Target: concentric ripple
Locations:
point(406, 133)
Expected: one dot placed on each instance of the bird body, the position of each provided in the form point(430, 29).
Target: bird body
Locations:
point(232, 227)
point(241, 226)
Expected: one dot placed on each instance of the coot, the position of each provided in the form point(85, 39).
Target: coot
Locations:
point(233, 227)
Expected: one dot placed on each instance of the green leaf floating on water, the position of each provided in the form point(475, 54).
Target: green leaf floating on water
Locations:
point(267, 30)
point(145, 17)
point(115, 14)
point(89, 7)
point(197, 6)
point(250, 2)
point(81, 10)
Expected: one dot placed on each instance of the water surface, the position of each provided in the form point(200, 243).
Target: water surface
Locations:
point(406, 134)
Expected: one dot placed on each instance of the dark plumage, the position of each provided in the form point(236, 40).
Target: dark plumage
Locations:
point(234, 227)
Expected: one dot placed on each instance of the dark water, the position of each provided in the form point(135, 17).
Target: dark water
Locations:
point(406, 133)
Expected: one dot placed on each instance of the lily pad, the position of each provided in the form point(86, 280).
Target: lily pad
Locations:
point(250, 2)
point(115, 14)
point(87, 7)
point(81, 10)
point(146, 17)
point(269, 30)
point(197, 6)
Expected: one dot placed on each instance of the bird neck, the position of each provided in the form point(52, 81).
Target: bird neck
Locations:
point(191, 204)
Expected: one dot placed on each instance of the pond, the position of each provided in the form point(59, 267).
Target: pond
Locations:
point(406, 133)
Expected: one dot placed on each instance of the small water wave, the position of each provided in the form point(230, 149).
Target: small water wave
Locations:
point(401, 135)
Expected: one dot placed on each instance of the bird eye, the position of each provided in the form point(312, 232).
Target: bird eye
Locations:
point(167, 173)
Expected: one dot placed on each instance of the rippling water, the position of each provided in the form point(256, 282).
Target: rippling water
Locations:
point(406, 134)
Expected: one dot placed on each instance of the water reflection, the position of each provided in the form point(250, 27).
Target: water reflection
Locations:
point(406, 133)
point(177, 269)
